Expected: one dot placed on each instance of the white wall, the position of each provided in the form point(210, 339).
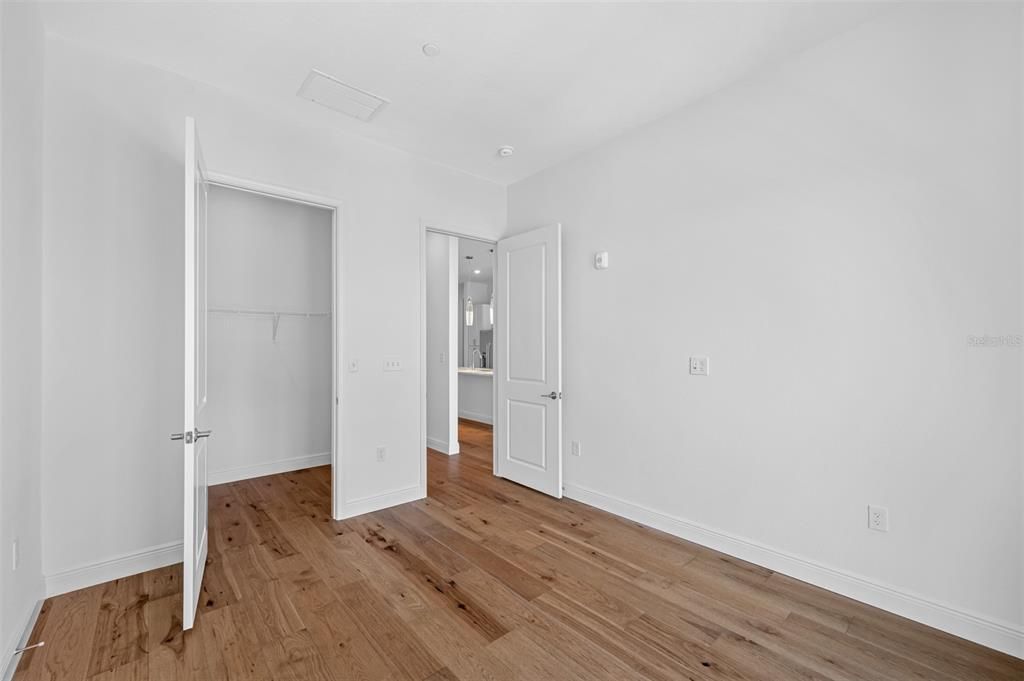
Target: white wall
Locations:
point(442, 275)
point(112, 295)
point(829, 231)
point(21, 214)
point(270, 399)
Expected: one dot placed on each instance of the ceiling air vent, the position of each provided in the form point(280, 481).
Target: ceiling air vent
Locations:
point(332, 93)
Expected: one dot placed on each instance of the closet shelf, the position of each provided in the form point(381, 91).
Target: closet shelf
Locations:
point(269, 313)
point(275, 315)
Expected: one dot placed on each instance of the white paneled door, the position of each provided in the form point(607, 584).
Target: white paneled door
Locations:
point(193, 437)
point(529, 367)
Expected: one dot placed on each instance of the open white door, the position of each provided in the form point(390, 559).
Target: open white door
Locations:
point(528, 325)
point(193, 437)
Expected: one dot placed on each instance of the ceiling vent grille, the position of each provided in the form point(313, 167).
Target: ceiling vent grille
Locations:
point(332, 93)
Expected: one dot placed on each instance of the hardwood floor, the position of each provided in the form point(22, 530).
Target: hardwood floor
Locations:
point(482, 580)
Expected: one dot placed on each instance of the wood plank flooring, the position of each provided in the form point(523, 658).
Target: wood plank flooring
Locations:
point(482, 580)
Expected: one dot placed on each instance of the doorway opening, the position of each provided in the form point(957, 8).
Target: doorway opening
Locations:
point(505, 329)
point(459, 316)
point(271, 331)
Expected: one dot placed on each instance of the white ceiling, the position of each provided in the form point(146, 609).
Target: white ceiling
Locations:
point(550, 79)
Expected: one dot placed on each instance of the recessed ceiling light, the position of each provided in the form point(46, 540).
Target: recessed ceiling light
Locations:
point(506, 151)
point(431, 49)
point(476, 271)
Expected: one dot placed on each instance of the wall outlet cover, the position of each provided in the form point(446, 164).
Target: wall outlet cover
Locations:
point(878, 518)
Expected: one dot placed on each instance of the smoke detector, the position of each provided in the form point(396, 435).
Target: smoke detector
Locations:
point(347, 99)
point(506, 151)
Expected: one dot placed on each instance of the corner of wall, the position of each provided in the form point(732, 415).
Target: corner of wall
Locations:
point(22, 38)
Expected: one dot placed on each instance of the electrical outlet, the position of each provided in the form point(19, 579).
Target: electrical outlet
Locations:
point(15, 554)
point(576, 448)
point(878, 518)
point(700, 366)
point(392, 364)
point(442, 359)
point(381, 453)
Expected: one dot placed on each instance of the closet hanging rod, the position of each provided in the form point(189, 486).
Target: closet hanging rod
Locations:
point(270, 313)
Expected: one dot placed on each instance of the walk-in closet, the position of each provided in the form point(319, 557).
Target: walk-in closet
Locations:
point(270, 334)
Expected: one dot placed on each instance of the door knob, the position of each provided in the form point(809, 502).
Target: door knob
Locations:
point(553, 395)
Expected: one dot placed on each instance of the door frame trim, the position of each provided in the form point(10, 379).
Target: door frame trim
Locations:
point(432, 226)
point(335, 206)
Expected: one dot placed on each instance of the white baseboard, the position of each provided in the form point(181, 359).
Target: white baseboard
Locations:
point(18, 639)
point(113, 568)
point(442, 446)
point(378, 502)
point(270, 468)
point(1002, 636)
point(474, 416)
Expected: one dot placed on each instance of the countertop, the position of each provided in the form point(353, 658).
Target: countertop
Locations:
point(476, 372)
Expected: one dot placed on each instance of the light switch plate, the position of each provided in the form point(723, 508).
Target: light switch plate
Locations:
point(700, 366)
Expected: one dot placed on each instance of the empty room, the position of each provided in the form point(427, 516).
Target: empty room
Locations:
point(498, 341)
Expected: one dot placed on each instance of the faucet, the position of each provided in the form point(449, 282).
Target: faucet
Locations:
point(476, 351)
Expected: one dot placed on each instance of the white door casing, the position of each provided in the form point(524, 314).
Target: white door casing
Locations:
point(528, 326)
point(194, 438)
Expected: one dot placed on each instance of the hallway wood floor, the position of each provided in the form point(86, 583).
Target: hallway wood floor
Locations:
point(482, 580)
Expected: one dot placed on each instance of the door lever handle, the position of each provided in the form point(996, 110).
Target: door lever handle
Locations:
point(553, 395)
point(187, 437)
point(203, 433)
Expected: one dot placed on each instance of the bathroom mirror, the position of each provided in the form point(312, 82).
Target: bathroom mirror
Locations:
point(476, 288)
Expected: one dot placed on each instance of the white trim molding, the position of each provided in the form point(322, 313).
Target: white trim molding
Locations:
point(270, 468)
point(1002, 636)
point(381, 501)
point(117, 567)
point(19, 640)
point(474, 416)
point(442, 446)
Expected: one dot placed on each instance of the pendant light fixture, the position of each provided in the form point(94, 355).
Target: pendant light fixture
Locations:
point(469, 299)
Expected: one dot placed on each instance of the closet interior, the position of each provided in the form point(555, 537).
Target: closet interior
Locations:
point(270, 334)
